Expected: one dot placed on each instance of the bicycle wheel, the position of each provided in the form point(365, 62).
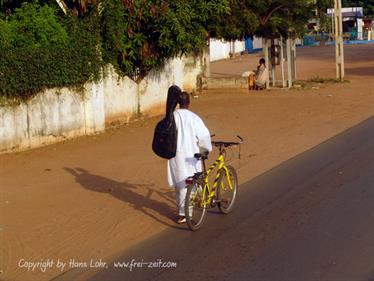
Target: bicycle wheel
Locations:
point(194, 209)
point(225, 195)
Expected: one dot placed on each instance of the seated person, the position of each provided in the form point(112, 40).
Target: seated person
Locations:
point(261, 75)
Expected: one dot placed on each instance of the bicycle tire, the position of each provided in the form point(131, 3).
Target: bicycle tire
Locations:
point(194, 211)
point(223, 188)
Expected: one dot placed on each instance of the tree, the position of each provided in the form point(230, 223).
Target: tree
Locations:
point(62, 5)
point(324, 20)
point(241, 21)
point(264, 18)
point(139, 35)
point(41, 49)
point(282, 17)
point(79, 7)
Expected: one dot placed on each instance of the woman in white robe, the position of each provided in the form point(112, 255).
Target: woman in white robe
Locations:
point(193, 137)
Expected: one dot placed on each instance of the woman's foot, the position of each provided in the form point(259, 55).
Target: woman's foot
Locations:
point(181, 219)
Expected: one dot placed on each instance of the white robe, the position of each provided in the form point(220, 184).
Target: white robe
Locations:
point(193, 135)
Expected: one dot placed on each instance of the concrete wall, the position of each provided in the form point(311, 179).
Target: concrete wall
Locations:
point(257, 43)
point(220, 49)
point(209, 83)
point(58, 114)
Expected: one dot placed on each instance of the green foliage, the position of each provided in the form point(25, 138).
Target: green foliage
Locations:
point(39, 51)
point(8, 6)
point(323, 5)
point(321, 9)
point(264, 18)
point(36, 25)
point(139, 35)
point(282, 17)
point(240, 22)
point(41, 47)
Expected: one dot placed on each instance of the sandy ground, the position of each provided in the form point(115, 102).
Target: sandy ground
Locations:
point(311, 62)
point(94, 197)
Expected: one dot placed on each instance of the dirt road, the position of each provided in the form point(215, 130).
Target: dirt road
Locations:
point(94, 197)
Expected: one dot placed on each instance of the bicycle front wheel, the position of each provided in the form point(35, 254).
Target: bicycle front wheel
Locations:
point(226, 196)
point(194, 206)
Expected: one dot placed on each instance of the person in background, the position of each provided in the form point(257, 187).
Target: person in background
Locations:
point(261, 75)
point(193, 137)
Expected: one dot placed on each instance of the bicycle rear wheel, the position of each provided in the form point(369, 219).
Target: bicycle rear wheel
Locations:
point(225, 195)
point(194, 209)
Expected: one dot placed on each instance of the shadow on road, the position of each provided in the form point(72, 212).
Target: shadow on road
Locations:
point(126, 192)
point(289, 223)
point(360, 71)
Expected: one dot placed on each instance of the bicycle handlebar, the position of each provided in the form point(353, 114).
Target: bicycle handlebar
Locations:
point(226, 143)
point(220, 144)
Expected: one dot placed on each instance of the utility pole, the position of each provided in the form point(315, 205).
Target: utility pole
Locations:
point(265, 49)
point(289, 62)
point(339, 51)
point(281, 40)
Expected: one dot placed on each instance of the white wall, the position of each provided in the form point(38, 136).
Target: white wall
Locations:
point(220, 49)
point(57, 114)
point(192, 67)
point(360, 29)
point(257, 43)
point(120, 97)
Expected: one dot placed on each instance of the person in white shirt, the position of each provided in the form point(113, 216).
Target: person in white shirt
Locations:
point(261, 75)
point(193, 137)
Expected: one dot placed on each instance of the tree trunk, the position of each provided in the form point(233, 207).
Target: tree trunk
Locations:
point(62, 5)
point(206, 56)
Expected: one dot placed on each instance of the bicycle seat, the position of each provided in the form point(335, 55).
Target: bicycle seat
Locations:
point(202, 156)
point(198, 175)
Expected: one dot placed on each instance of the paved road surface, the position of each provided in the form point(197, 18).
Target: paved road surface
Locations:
point(310, 218)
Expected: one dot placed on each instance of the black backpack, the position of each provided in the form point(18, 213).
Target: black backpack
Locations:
point(164, 142)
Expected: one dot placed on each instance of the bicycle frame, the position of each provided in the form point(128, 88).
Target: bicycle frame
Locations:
point(220, 162)
point(203, 193)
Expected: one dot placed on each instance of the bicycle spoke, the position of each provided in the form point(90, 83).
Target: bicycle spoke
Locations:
point(227, 190)
point(194, 209)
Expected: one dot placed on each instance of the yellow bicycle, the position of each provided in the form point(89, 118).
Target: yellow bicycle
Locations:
point(201, 196)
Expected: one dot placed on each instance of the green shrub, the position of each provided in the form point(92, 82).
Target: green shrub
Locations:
point(40, 51)
point(139, 35)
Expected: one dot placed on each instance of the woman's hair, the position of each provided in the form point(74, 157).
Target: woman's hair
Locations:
point(262, 61)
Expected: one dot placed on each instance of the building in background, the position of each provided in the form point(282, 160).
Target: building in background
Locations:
point(353, 24)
